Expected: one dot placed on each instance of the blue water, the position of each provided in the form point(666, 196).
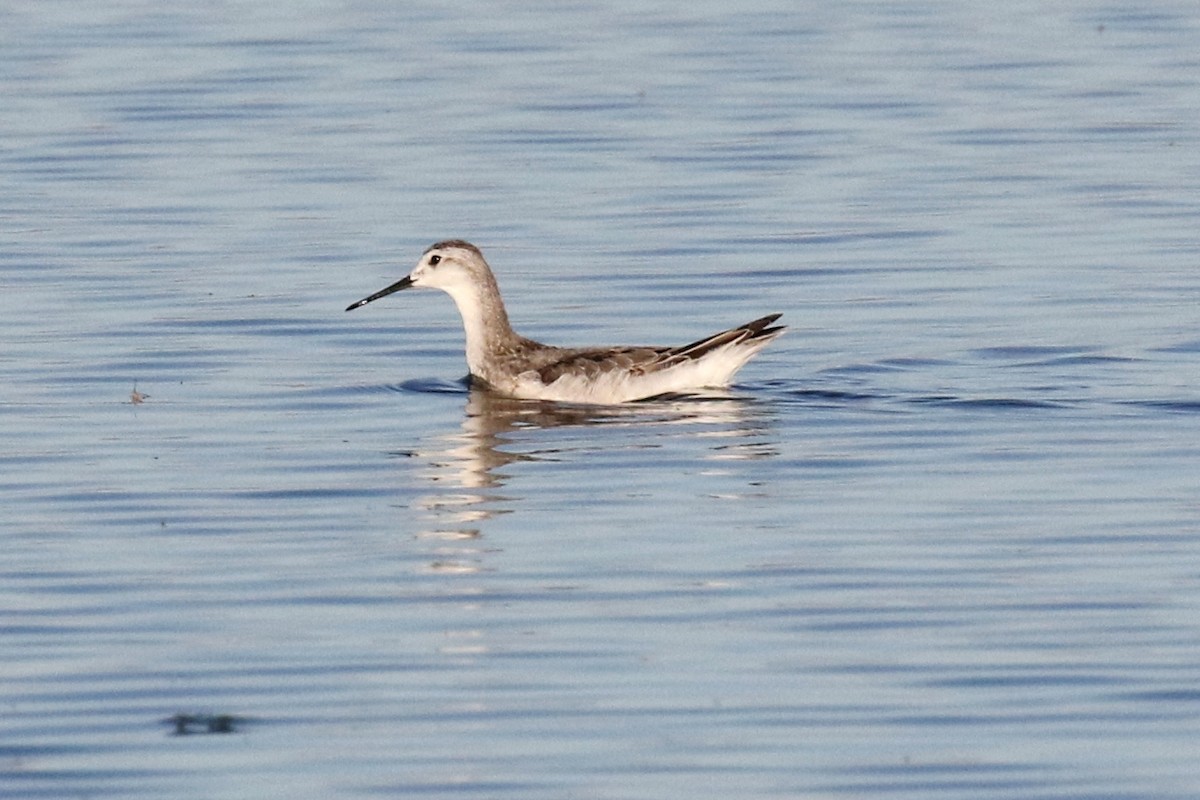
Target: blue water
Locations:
point(942, 540)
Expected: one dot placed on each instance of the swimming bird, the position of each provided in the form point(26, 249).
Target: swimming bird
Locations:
point(518, 367)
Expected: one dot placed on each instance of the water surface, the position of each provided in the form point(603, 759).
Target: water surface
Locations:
point(941, 540)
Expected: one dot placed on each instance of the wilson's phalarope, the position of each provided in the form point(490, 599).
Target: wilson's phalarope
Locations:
point(522, 368)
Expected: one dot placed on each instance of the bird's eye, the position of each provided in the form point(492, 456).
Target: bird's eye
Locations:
point(434, 260)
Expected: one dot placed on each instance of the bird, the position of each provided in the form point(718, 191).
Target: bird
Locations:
point(504, 362)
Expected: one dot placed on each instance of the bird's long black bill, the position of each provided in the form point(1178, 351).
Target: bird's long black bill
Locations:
point(403, 283)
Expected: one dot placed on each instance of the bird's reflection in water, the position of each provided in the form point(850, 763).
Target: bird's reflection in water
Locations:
point(466, 473)
point(468, 470)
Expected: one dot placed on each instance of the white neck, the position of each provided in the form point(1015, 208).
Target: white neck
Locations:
point(484, 322)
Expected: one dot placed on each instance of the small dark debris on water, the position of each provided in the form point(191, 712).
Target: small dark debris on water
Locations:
point(193, 724)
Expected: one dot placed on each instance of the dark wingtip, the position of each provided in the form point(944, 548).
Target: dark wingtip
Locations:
point(758, 329)
point(761, 322)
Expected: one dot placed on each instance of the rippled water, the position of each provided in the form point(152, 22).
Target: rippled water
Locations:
point(942, 539)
